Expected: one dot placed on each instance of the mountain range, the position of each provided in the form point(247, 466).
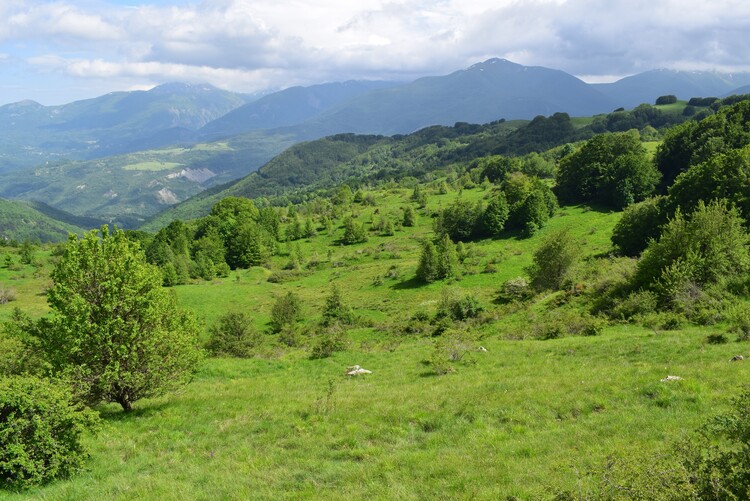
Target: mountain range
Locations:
point(126, 156)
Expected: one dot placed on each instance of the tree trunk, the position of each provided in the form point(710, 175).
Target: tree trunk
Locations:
point(125, 402)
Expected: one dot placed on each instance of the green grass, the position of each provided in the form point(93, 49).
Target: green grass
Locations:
point(153, 166)
point(526, 418)
point(521, 421)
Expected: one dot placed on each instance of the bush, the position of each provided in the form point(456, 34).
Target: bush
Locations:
point(515, 289)
point(637, 303)
point(553, 261)
point(331, 340)
point(703, 249)
point(286, 311)
point(7, 294)
point(458, 307)
point(739, 321)
point(233, 335)
point(40, 431)
point(450, 348)
point(640, 223)
point(335, 311)
point(668, 99)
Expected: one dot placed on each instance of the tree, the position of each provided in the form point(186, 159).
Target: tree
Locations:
point(115, 331)
point(611, 169)
point(427, 267)
point(286, 311)
point(335, 311)
point(495, 215)
point(460, 221)
point(703, 249)
point(409, 216)
point(234, 335)
point(530, 202)
point(553, 260)
point(639, 223)
point(668, 99)
point(447, 259)
point(354, 233)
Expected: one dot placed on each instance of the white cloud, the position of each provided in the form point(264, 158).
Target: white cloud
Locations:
point(252, 44)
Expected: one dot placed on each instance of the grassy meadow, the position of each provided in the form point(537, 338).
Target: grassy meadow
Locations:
point(527, 418)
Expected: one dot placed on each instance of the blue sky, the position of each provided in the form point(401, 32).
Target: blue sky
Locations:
point(57, 51)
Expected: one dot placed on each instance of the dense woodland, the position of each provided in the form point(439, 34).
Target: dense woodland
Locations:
point(431, 251)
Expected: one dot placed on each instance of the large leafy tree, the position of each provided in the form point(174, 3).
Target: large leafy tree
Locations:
point(611, 169)
point(693, 143)
point(115, 331)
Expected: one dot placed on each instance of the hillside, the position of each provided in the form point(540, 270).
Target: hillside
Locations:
point(645, 87)
point(114, 123)
point(20, 221)
point(492, 90)
point(287, 107)
point(128, 189)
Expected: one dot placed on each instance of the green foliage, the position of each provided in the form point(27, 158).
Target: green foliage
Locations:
point(354, 233)
point(427, 267)
point(410, 217)
point(233, 335)
point(611, 169)
point(460, 221)
point(457, 306)
point(530, 202)
point(640, 223)
point(496, 167)
point(703, 249)
point(114, 330)
point(332, 339)
point(335, 310)
point(668, 99)
point(41, 431)
point(495, 215)
point(553, 261)
point(26, 252)
point(286, 311)
point(447, 259)
point(515, 289)
point(724, 176)
point(693, 143)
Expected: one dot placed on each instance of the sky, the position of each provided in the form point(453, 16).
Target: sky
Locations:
point(58, 51)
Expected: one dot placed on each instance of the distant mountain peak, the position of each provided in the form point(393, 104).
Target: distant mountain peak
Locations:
point(182, 88)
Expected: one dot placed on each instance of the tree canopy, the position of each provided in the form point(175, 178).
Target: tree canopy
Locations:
point(115, 331)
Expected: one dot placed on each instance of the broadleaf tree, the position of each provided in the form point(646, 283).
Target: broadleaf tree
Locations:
point(115, 331)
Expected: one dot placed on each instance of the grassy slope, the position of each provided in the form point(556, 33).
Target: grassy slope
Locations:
point(20, 221)
point(522, 420)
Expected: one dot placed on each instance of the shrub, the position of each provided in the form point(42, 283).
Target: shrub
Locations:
point(331, 340)
point(457, 306)
point(739, 321)
point(233, 335)
point(703, 250)
point(7, 294)
point(636, 304)
point(515, 289)
point(553, 261)
point(40, 431)
point(286, 311)
point(450, 348)
point(640, 223)
point(335, 311)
